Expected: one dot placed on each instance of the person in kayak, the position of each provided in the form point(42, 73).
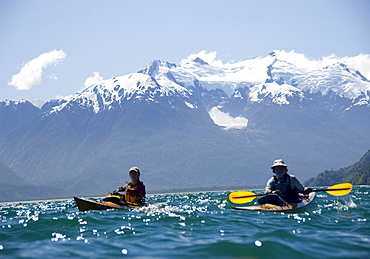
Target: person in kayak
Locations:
point(133, 192)
point(282, 188)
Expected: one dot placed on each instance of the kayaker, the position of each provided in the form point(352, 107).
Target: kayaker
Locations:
point(133, 192)
point(282, 187)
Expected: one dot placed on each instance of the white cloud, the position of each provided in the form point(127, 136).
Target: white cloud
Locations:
point(209, 57)
point(31, 72)
point(54, 77)
point(92, 80)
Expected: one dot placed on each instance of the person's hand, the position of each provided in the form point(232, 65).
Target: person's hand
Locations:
point(308, 190)
point(278, 192)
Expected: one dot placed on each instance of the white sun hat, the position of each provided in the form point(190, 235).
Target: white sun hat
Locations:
point(278, 162)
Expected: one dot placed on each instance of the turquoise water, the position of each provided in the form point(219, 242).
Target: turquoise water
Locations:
point(190, 225)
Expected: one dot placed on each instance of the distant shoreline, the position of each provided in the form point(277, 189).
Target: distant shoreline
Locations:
point(150, 192)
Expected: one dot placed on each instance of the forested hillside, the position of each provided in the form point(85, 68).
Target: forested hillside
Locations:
point(358, 173)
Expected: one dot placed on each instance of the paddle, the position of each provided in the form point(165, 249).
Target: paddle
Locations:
point(338, 189)
point(240, 197)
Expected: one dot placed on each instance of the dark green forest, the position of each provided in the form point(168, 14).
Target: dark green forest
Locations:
point(357, 174)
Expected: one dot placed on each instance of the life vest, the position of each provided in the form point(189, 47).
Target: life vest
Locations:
point(287, 192)
point(134, 197)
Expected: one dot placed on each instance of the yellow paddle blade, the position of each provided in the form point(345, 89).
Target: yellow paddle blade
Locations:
point(339, 189)
point(240, 197)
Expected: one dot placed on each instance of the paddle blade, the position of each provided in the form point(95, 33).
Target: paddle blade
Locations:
point(340, 189)
point(240, 197)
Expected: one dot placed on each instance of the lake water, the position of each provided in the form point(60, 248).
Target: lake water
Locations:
point(190, 225)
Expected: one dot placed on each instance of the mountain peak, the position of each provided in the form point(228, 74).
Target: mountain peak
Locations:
point(153, 67)
point(149, 85)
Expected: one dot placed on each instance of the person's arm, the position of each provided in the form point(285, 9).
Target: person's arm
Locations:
point(141, 189)
point(297, 184)
point(120, 189)
point(123, 188)
point(270, 186)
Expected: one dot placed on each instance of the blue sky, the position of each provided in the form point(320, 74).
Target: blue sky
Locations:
point(57, 45)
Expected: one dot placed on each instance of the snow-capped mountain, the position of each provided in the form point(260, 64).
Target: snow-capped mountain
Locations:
point(198, 122)
point(278, 77)
point(135, 87)
point(149, 85)
point(281, 74)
